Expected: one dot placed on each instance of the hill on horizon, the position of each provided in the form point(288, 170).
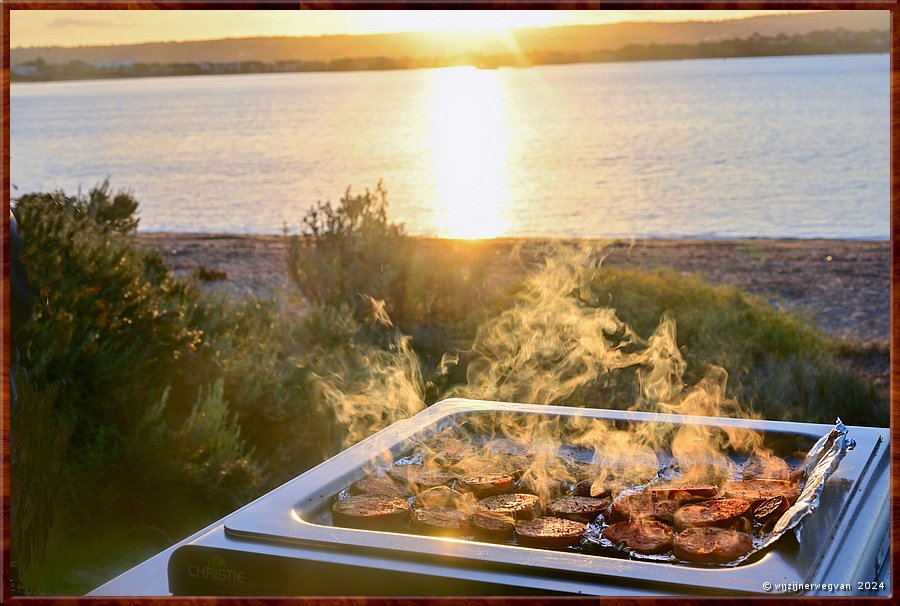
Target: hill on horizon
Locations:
point(426, 45)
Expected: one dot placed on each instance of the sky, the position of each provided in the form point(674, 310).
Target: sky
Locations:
point(103, 27)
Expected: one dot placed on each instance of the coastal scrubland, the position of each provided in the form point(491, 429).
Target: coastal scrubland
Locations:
point(152, 401)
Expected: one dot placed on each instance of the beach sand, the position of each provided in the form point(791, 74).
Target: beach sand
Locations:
point(843, 286)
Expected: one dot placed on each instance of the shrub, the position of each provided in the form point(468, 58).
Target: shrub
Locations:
point(41, 439)
point(348, 251)
point(109, 324)
point(114, 331)
point(205, 449)
point(365, 376)
point(262, 358)
point(163, 391)
point(452, 286)
point(436, 291)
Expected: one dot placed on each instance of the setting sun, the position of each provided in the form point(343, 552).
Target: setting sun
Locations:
point(469, 147)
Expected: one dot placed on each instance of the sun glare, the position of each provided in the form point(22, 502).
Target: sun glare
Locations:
point(469, 146)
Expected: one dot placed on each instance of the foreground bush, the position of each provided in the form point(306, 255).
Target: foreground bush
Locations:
point(152, 386)
point(109, 324)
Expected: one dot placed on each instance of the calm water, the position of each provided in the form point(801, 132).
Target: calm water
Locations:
point(772, 147)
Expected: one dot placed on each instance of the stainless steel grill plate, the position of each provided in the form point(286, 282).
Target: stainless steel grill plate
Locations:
point(834, 547)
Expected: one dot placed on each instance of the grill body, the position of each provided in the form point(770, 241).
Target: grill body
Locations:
point(283, 543)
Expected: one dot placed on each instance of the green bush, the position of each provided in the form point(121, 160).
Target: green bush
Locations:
point(204, 449)
point(349, 251)
point(262, 358)
point(435, 291)
point(114, 331)
point(452, 286)
point(110, 325)
point(164, 392)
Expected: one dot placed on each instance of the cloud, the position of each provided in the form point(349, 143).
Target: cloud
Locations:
point(69, 22)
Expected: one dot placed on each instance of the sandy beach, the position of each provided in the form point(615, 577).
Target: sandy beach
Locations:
point(843, 286)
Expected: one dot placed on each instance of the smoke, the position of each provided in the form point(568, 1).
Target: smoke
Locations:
point(557, 342)
point(367, 387)
point(553, 341)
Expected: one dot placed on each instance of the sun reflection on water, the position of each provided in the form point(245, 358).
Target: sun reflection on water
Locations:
point(469, 147)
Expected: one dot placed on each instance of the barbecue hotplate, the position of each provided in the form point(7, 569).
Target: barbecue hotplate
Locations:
point(296, 519)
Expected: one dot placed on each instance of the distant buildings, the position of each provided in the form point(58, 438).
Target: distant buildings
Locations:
point(114, 64)
point(24, 70)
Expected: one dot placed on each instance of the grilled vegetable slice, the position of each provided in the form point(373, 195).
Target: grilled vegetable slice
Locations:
point(770, 510)
point(491, 525)
point(757, 491)
point(446, 450)
point(371, 512)
point(513, 464)
point(487, 484)
point(668, 491)
point(797, 473)
point(441, 521)
point(607, 487)
point(583, 488)
point(580, 470)
point(579, 509)
point(420, 476)
point(643, 536)
point(520, 506)
point(379, 486)
point(611, 481)
point(723, 513)
point(704, 473)
point(641, 506)
point(551, 533)
point(768, 468)
point(554, 487)
point(443, 496)
point(710, 545)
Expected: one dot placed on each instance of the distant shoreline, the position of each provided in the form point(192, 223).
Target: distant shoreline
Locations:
point(818, 43)
point(14, 79)
point(814, 33)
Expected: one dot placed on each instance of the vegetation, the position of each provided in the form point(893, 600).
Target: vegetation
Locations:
point(151, 407)
point(838, 41)
point(778, 364)
point(575, 334)
point(348, 252)
point(141, 381)
point(824, 42)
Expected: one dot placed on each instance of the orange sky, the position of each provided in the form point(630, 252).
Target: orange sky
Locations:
point(100, 27)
